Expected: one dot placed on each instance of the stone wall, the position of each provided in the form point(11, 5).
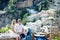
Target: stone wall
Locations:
point(8, 39)
point(26, 3)
point(5, 19)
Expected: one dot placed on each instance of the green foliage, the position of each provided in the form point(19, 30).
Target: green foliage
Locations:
point(11, 2)
point(57, 14)
point(25, 18)
point(4, 29)
point(44, 5)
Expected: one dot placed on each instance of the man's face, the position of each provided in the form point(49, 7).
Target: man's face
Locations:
point(19, 22)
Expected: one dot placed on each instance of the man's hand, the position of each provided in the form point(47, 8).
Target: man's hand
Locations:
point(19, 32)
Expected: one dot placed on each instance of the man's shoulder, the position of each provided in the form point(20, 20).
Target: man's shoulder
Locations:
point(22, 25)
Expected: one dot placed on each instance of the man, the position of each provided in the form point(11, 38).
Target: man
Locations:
point(19, 28)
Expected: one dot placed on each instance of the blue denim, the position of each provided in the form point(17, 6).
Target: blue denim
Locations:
point(40, 38)
point(29, 35)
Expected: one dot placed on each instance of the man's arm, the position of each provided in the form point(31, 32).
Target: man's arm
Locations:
point(22, 30)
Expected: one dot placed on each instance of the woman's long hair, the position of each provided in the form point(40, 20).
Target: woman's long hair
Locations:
point(12, 24)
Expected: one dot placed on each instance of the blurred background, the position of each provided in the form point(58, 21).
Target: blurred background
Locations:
point(30, 11)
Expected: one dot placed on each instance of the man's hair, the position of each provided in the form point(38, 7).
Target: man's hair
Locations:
point(19, 20)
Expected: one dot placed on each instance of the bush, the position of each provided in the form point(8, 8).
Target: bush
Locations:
point(4, 29)
point(25, 18)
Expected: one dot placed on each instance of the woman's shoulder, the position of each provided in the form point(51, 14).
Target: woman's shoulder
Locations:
point(16, 24)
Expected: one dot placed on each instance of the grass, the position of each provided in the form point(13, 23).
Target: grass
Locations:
point(56, 38)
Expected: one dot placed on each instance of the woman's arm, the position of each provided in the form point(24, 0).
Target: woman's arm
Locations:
point(13, 28)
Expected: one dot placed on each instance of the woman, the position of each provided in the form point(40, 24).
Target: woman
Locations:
point(13, 24)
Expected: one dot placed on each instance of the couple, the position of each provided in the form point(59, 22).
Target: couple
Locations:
point(18, 28)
